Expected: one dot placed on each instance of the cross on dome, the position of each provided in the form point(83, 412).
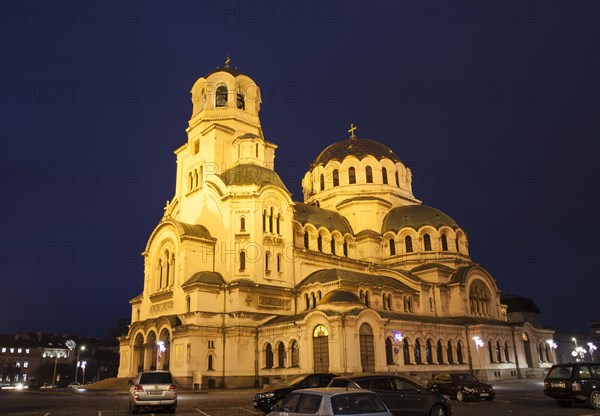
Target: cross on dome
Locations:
point(351, 131)
point(227, 60)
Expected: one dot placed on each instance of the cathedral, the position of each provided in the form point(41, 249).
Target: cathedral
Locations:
point(244, 286)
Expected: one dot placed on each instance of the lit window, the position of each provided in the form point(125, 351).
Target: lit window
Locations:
point(18, 364)
point(26, 350)
point(12, 350)
point(25, 364)
point(3, 349)
point(20, 350)
point(221, 97)
point(24, 377)
point(369, 172)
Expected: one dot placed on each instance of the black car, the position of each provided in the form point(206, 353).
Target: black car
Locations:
point(402, 396)
point(575, 382)
point(266, 399)
point(462, 386)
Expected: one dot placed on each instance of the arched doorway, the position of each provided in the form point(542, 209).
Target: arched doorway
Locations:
point(527, 347)
point(367, 349)
point(321, 349)
point(164, 350)
point(151, 351)
point(138, 353)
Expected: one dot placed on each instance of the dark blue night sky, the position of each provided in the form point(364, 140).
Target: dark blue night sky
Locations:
point(493, 105)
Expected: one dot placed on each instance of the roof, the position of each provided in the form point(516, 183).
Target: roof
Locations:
point(519, 304)
point(359, 148)
point(210, 278)
point(460, 276)
point(320, 217)
point(332, 275)
point(191, 230)
point(233, 71)
point(416, 216)
point(340, 296)
point(429, 266)
point(251, 174)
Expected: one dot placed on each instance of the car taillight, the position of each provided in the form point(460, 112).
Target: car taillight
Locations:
point(576, 386)
point(137, 387)
point(172, 387)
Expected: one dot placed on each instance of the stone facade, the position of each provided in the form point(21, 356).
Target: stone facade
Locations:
point(243, 285)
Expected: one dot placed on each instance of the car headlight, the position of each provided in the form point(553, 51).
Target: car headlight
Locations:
point(266, 395)
point(469, 390)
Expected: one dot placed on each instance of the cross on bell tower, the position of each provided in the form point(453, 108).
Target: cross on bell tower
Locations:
point(351, 131)
point(227, 60)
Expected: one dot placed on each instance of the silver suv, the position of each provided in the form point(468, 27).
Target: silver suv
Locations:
point(153, 389)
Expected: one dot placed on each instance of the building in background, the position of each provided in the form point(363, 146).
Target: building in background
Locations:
point(243, 285)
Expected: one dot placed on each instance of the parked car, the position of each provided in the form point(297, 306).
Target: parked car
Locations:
point(47, 386)
point(401, 396)
point(461, 386)
point(331, 401)
point(153, 389)
point(75, 385)
point(575, 382)
point(266, 399)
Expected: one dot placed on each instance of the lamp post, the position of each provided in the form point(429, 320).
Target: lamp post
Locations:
point(82, 348)
point(83, 364)
point(591, 349)
point(478, 343)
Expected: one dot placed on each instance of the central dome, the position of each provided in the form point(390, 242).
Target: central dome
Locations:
point(359, 148)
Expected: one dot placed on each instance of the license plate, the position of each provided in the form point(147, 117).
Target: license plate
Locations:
point(484, 394)
point(155, 393)
point(561, 385)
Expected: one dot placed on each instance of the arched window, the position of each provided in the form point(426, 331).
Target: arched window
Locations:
point(221, 96)
point(389, 301)
point(187, 304)
point(195, 178)
point(418, 352)
point(256, 150)
point(160, 273)
point(457, 244)
point(459, 354)
point(449, 353)
point(389, 352)
point(277, 223)
point(210, 364)
point(271, 220)
point(267, 261)
point(264, 220)
point(384, 300)
point(307, 301)
point(426, 242)
point(332, 245)
point(242, 224)
point(322, 182)
point(369, 173)
point(268, 356)
point(242, 261)
point(440, 352)
point(408, 244)
point(314, 300)
point(336, 178)
point(397, 180)
point(384, 176)
point(491, 351)
point(498, 353)
point(392, 247)
point(351, 175)
point(320, 243)
point(479, 299)
point(444, 242)
point(367, 298)
point(190, 181)
point(295, 354)
point(241, 102)
point(405, 351)
point(506, 352)
point(428, 352)
point(279, 262)
point(281, 355)
point(345, 248)
point(306, 239)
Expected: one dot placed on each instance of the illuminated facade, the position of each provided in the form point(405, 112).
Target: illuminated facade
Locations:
point(243, 285)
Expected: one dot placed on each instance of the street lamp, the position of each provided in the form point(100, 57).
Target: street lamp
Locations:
point(478, 343)
point(83, 364)
point(82, 348)
point(591, 349)
point(161, 349)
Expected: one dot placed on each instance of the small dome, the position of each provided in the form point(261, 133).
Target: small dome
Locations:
point(359, 148)
point(251, 174)
point(232, 71)
point(416, 216)
point(519, 304)
point(340, 296)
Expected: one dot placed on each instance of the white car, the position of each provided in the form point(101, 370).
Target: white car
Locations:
point(329, 401)
point(75, 385)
